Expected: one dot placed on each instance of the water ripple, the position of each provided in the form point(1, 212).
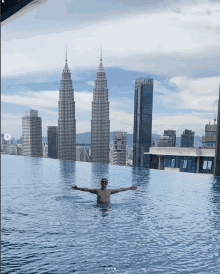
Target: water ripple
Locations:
point(170, 224)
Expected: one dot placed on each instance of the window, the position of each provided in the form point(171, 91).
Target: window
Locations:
point(209, 165)
point(185, 164)
point(205, 164)
point(181, 164)
point(189, 164)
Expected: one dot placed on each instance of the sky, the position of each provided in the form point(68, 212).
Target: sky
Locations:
point(174, 42)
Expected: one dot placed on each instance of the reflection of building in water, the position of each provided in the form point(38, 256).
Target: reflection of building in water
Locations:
point(83, 152)
point(32, 134)
point(143, 101)
point(193, 160)
point(187, 138)
point(119, 148)
point(209, 139)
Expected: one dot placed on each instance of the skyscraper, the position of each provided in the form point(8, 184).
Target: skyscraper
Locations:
point(171, 133)
point(119, 148)
point(143, 102)
point(100, 123)
point(32, 134)
point(187, 138)
point(52, 141)
point(66, 121)
point(164, 141)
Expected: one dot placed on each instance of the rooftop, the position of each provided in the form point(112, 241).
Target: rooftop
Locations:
point(182, 151)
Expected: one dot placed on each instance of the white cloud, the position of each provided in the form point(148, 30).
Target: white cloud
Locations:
point(91, 83)
point(167, 34)
point(180, 123)
point(44, 100)
point(121, 121)
point(199, 94)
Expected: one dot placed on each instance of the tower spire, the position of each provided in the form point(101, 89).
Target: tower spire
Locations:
point(101, 55)
point(66, 54)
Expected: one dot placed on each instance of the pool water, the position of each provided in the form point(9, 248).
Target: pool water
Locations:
point(170, 224)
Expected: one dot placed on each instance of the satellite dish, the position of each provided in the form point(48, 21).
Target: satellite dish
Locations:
point(7, 136)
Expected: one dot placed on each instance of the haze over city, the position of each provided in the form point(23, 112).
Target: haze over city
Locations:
point(176, 44)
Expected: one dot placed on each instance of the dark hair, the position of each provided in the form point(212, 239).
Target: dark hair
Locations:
point(104, 180)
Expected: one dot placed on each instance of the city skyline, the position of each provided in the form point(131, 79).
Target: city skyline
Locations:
point(180, 51)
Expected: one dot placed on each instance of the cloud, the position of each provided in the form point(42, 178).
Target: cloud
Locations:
point(197, 94)
point(121, 121)
point(91, 83)
point(169, 47)
point(45, 100)
point(179, 123)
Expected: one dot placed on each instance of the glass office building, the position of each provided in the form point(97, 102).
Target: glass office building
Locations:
point(143, 103)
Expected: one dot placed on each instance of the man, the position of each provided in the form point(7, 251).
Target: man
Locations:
point(103, 194)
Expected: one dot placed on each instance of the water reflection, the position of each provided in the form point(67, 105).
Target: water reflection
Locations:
point(67, 170)
point(104, 208)
point(99, 171)
point(140, 175)
point(33, 169)
point(215, 200)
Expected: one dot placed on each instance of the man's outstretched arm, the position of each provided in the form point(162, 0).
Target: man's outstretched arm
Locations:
point(113, 191)
point(94, 190)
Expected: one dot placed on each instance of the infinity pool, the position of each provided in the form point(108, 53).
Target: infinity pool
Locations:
point(170, 224)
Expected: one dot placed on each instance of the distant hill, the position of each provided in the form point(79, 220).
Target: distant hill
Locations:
point(85, 138)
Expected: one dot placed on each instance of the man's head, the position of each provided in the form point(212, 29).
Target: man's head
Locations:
point(104, 182)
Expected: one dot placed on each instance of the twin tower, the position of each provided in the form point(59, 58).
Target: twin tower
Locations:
point(100, 123)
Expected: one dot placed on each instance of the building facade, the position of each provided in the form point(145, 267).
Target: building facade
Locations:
point(172, 134)
point(52, 133)
point(192, 160)
point(100, 123)
point(143, 103)
point(209, 139)
point(119, 148)
point(164, 141)
point(32, 134)
point(66, 123)
point(187, 138)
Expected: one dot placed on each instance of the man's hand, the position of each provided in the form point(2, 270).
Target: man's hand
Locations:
point(74, 187)
point(133, 187)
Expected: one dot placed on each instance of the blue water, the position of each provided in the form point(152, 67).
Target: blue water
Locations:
point(170, 224)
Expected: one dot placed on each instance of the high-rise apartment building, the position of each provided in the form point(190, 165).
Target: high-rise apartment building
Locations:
point(100, 123)
point(171, 133)
point(164, 141)
point(119, 148)
point(209, 139)
point(66, 122)
point(187, 138)
point(32, 134)
point(143, 102)
point(52, 141)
